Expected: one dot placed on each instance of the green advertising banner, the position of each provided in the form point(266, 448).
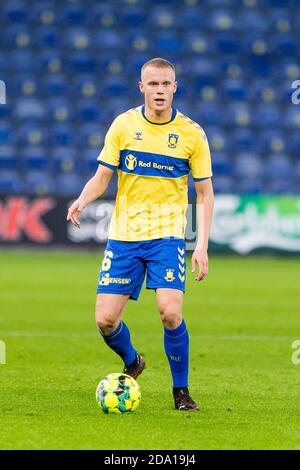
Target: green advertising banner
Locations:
point(247, 223)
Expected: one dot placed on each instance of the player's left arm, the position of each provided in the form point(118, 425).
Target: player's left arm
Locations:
point(200, 163)
point(205, 204)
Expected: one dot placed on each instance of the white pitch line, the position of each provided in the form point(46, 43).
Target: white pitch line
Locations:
point(45, 334)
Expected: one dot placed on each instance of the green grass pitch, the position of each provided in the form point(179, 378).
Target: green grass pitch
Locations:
point(242, 321)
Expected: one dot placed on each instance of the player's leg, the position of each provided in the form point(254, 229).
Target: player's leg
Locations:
point(176, 339)
point(176, 343)
point(109, 308)
point(121, 277)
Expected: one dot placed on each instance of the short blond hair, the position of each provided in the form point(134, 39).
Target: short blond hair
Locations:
point(159, 63)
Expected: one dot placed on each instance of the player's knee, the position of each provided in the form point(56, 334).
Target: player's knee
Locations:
point(106, 321)
point(171, 315)
point(106, 324)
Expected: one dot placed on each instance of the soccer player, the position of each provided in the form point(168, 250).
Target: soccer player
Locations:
point(153, 147)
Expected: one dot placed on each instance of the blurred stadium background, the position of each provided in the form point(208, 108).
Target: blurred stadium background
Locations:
point(70, 67)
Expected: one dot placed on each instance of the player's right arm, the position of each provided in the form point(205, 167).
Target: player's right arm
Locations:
point(109, 160)
point(93, 189)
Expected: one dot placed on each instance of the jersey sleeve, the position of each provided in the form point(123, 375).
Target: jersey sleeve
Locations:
point(200, 160)
point(110, 154)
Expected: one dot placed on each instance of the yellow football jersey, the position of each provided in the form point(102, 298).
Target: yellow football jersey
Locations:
point(153, 160)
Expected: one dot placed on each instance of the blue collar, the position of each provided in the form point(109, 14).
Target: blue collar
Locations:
point(174, 112)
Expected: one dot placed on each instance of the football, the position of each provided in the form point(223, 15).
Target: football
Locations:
point(118, 393)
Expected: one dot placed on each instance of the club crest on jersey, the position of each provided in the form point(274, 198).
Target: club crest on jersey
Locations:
point(172, 140)
point(130, 162)
point(138, 136)
point(169, 275)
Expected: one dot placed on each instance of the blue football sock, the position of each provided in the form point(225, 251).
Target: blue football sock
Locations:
point(176, 344)
point(120, 342)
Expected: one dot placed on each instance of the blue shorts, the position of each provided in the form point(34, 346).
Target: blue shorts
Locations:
point(125, 264)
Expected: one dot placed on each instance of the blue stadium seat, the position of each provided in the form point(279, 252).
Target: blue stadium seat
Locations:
point(297, 172)
point(284, 44)
point(27, 85)
point(35, 159)
point(221, 164)
point(115, 87)
point(218, 139)
point(108, 39)
point(44, 13)
point(11, 183)
point(9, 158)
point(75, 14)
point(248, 165)
point(69, 185)
point(138, 40)
point(294, 143)
point(292, 118)
point(56, 85)
point(281, 186)
point(222, 20)
point(253, 21)
point(235, 89)
point(251, 185)
point(60, 110)
point(273, 141)
point(245, 140)
point(63, 134)
point(39, 183)
point(30, 108)
point(85, 86)
point(51, 61)
point(88, 110)
point(167, 43)
point(78, 39)
point(91, 136)
point(81, 62)
point(210, 114)
point(227, 43)
point(15, 12)
point(21, 61)
point(279, 166)
point(90, 163)
point(224, 184)
point(32, 134)
point(192, 16)
point(7, 134)
point(163, 17)
point(239, 114)
point(199, 43)
point(104, 15)
point(132, 15)
point(18, 37)
point(48, 37)
point(66, 160)
point(268, 115)
point(6, 110)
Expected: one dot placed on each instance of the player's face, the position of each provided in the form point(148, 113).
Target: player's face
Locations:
point(158, 86)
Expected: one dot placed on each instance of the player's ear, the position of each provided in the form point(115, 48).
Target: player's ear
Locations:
point(175, 86)
point(141, 86)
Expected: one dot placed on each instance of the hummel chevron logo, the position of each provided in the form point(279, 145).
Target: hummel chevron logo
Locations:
point(181, 268)
point(181, 277)
point(181, 259)
point(181, 252)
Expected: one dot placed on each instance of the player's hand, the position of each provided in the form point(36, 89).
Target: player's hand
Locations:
point(74, 212)
point(200, 258)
